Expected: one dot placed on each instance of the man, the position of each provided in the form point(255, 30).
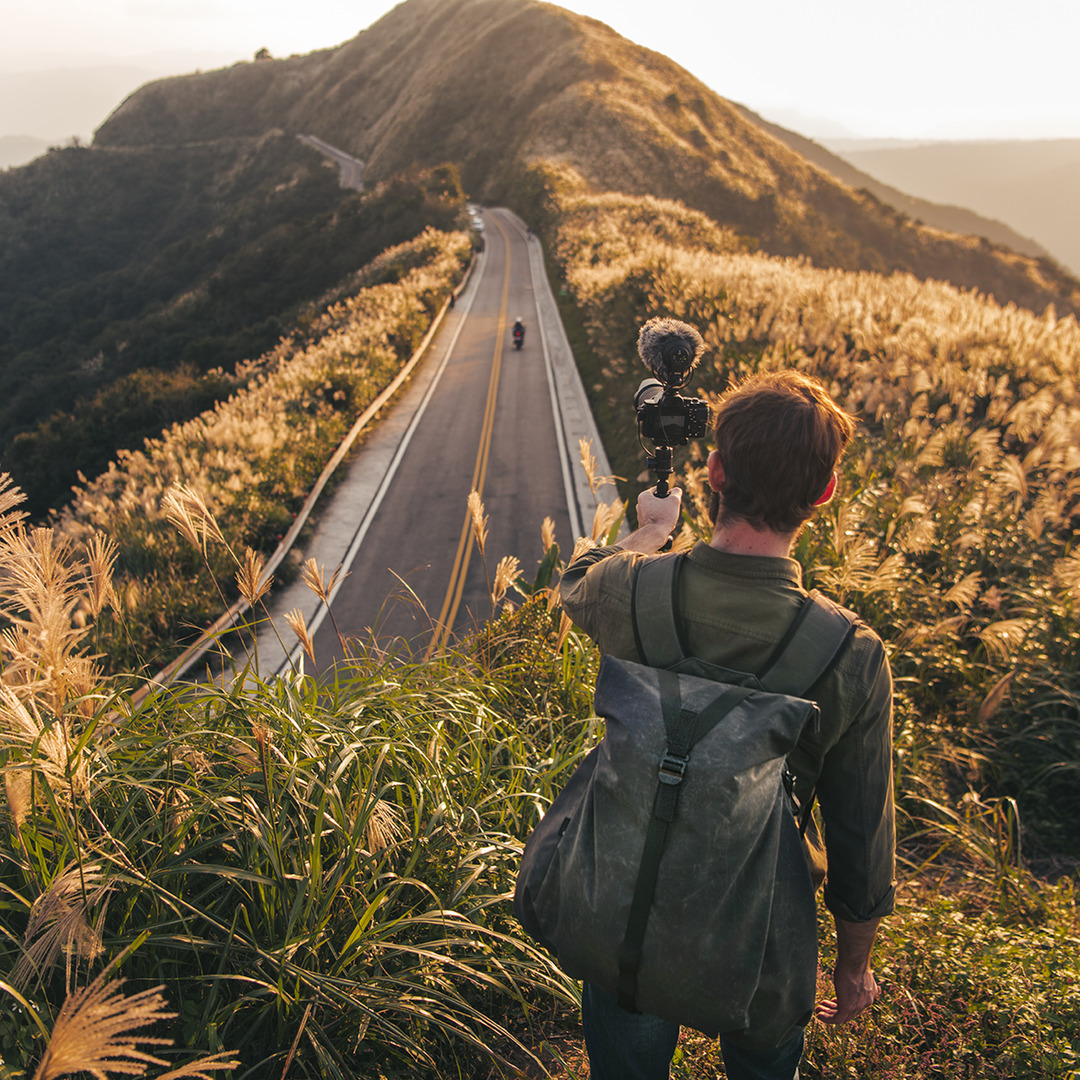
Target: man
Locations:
point(778, 440)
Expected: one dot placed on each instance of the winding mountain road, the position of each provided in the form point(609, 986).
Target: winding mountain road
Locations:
point(479, 416)
point(350, 169)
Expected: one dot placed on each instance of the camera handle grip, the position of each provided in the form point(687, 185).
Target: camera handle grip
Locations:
point(660, 463)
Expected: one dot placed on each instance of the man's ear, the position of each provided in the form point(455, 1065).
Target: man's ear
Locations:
point(826, 496)
point(716, 471)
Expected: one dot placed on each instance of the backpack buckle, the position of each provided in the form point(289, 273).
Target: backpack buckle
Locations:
point(672, 768)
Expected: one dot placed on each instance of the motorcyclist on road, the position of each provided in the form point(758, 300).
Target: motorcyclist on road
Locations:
point(519, 333)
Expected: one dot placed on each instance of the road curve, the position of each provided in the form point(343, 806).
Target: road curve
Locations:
point(479, 416)
point(350, 169)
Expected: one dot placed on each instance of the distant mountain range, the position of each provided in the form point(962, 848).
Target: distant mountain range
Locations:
point(1033, 184)
point(60, 100)
point(955, 218)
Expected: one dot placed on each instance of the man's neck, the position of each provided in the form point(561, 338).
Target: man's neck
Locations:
point(741, 538)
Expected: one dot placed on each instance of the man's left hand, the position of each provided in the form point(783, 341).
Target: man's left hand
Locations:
point(856, 987)
point(854, 995)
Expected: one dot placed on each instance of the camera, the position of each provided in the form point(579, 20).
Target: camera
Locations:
point(671, 350)
point(667, 418)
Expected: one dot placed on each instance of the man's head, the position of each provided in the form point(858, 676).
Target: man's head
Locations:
point(778, 438)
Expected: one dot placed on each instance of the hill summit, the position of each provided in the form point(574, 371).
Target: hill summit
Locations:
point(496, 85)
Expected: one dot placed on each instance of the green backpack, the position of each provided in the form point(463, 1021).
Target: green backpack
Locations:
point(670, 870)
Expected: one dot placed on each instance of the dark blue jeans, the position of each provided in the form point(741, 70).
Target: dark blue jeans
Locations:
point(634, 1046)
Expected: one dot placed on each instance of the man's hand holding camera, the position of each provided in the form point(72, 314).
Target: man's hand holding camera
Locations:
point(658, 517)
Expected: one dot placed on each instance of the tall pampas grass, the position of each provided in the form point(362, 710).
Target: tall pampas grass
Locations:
point(59, 922)
point(50, 698)
point(49, 685)
point(95, 1032)
point(241, 828)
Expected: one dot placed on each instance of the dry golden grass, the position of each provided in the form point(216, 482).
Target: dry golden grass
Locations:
point(95, 1032)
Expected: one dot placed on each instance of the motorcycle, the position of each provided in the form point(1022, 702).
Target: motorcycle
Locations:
point(519, 337)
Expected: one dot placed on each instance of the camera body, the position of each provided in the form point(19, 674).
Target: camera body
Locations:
point(667, 418)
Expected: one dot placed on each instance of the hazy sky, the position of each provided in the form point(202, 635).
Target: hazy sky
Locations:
point(879, 68)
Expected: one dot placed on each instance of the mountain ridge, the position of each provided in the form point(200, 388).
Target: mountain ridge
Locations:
point(566, 88)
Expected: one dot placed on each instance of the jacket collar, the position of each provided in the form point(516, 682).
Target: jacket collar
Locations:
point(745, 566)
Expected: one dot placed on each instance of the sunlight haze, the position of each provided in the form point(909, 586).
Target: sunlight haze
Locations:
point(924, 69)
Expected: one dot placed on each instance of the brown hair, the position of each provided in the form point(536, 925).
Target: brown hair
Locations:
point(779, 436)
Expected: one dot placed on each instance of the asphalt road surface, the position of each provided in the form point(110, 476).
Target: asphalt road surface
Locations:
point(490, 423)
point(351, 169)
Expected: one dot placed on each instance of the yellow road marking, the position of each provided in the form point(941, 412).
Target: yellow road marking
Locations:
point(456, 587)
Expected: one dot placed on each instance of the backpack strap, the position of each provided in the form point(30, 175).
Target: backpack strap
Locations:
point(653, 611)
point(809, 649)
point(683, 730)
point(804, 656)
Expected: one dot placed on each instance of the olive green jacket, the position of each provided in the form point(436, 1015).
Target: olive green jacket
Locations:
point(735, 611)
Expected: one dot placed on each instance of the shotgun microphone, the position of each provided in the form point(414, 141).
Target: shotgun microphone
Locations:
point(670, 349)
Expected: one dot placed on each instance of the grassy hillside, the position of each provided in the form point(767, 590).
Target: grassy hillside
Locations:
point(339, 858)
point(262, 873)
point(132, 282)
point(956, 536)
point(563, 88)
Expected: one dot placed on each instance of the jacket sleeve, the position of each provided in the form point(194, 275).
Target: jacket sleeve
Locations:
point(596, 591)
point(855, 790)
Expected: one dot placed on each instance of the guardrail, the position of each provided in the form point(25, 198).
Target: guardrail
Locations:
point(187, 659)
